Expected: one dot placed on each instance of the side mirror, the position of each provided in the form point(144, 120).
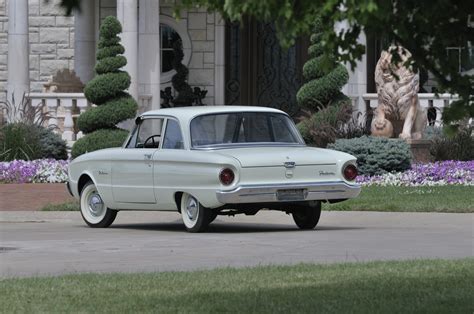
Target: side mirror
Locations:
point(138, 120)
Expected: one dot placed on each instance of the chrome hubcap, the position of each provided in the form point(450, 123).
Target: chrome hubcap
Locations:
point(192, 208)
point(96, 205)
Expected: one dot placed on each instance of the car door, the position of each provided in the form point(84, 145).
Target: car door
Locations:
point(132, 170)
point(169, 174)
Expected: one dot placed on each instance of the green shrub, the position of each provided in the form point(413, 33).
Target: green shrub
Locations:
point(322, 128)
point(432, 132)
point(19, 141)
point(376, 155)
point(110, 64)
point(107, 91)
point(321, 95)
point(52, 145)
point(28, 142)
point(355, 127)
point(323, 84)
point(105, 87)
point(99, 139)
point(185, 93)
point(107, 115)
point(460, 146)
point(111, 51)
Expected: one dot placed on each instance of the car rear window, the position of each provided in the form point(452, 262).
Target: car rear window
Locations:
point(243, 128)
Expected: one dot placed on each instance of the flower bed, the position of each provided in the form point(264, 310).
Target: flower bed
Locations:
point(35, 171)
point(430, 174)
point(438, 173)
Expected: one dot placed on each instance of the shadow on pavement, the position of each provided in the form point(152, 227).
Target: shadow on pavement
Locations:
point(221, 227)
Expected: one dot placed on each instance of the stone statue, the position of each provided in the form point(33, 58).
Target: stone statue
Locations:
point(64, 81)
point(398, 113)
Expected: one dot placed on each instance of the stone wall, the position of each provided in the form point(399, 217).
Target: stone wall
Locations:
point(51, 42)
point(200, 27)
point(3, 49)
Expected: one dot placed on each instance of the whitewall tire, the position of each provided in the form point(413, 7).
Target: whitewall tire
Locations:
point(93, 210)
point(195, 217)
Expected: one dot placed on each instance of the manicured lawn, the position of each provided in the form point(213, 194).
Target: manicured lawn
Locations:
point(428, 286)
point(449, 199)
point(69, 206)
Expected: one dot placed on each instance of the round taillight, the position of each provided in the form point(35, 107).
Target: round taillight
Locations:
point(350, 172)
point(226, 176)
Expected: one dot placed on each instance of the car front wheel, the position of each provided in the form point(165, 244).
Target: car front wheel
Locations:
point(307, 217)
point(93, 210)
point(195, 217)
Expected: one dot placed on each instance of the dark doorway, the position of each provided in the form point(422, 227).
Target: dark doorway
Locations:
point(258, 71)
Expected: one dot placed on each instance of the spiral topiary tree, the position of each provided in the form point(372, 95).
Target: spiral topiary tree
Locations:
point(185, 95)
point(107, 91)
point(321, 95)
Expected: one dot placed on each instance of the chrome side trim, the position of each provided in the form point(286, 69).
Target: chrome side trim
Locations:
point(245, 145)
point(268, 193)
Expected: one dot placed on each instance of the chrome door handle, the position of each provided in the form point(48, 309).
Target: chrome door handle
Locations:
point(148, 156)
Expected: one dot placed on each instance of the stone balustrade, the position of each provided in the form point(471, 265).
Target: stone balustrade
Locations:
point(427, 100)
point(63, 109)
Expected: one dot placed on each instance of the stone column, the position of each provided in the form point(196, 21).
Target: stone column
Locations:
point(84, 41)
point(149, 50)
point(18, 50)
point(127, 14)
point(219, 75)
point(357, 84)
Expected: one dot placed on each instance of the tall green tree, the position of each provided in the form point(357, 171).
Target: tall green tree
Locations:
point(107, 91)
point(425, 27)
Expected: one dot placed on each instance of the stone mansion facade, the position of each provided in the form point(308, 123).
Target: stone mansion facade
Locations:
point(236, 64)
point(58, 42)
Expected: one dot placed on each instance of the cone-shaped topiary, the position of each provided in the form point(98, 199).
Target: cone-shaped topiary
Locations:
point(322, 89)
point(106, 90)
point(185, 92)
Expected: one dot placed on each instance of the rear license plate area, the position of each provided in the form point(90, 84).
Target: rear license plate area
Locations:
point(291, 195)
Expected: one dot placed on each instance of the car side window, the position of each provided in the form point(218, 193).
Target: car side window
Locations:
point(149, 133)
point(280, 130)
point(173, 138)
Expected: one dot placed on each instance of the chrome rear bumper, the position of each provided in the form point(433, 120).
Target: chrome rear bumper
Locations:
point(269, 193)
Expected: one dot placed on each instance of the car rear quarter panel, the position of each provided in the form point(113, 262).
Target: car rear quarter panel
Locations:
point(193, 172)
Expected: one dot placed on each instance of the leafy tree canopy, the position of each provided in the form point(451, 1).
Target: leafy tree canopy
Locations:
point(425, 27)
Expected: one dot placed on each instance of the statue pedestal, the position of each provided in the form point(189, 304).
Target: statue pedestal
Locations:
point(420, 149)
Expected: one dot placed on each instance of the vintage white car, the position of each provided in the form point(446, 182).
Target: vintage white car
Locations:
point(209, 161)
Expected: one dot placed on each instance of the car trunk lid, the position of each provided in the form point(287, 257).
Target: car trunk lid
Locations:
point(280, 156)
point(271, 165)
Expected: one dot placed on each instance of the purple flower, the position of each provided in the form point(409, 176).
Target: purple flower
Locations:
point(34, 171)
point(436, 173)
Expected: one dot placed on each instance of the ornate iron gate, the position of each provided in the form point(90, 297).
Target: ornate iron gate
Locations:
point(258, 71)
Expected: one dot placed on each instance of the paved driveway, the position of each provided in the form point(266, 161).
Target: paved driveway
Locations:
point(42, 243)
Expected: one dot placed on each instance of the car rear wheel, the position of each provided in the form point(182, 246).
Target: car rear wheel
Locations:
point(307, 217)
point(93, 210)
point(212, 216)
point(195, 217)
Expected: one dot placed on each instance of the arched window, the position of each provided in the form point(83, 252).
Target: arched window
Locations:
point(171, 31)
point(168, 38)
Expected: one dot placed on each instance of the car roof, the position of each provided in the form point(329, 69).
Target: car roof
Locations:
point(187, 113)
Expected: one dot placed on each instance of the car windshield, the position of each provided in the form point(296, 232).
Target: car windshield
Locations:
point(243, 128)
